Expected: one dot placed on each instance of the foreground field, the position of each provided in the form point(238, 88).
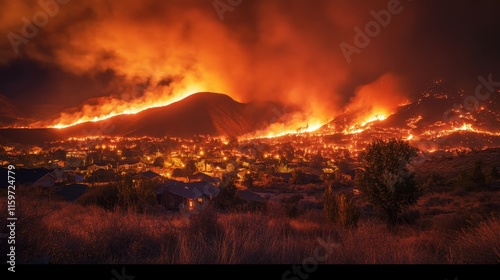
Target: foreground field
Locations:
point(441, 229)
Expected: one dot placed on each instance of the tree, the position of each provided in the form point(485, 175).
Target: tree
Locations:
point(227, 199)
point(291, 205)
point(248, 180)
point(386, 181)
point(493, 174)
point(159, 161)
point(288, 151)
point(477, 174)
point(343, 165)
point(59, 154)
point(190, 167)
point(139, 196)
point(340, 208)
point(298, 177)
point(317, 160)
point(101, 175)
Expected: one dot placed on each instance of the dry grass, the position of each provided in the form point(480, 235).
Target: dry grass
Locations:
point(447, 229)
point(449, 166)
point(479, 244)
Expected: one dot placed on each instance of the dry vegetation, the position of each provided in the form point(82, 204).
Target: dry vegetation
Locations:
point(68, 233)
point(443, 228)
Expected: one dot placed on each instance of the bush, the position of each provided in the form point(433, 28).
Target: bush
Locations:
point(298, 177)
point(493, 174)
point(386, 181)
point(252, 206)
point(464, 183)
point(340, 209)
point(477, 174)
point(138, 196)
point(291, 205)
point(126, 195)
point(103, 196)
point(204, 224)
point(435, 183)
point(227, 200)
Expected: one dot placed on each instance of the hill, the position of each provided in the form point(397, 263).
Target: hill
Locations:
point(203, 113)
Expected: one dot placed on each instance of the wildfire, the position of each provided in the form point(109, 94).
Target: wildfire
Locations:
point(365, 124)
point(110, 110)
point(465, 127)
point(468, 127)
point(377, 117)
point(279, 133)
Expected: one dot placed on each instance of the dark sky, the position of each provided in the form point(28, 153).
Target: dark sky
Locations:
point(122, 53)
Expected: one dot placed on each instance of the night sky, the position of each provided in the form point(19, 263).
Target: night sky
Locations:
point(120, 52)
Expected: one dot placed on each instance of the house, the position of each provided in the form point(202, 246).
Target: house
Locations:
point(176, 195)
point(25, 176)
point(59, 174)
point(178, 174)
point(345, 176)
point(149, 175)
point(95, 167)
point(139, 166)
point(84, 171)
point(47, 180)
point(78, 178)
point(200, 176)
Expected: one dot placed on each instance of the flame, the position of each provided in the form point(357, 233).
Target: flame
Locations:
point(467, 127)
point(290, 123)
point(308, 129)
point(377, 117)
point(279, 130)
point(366, 123)
point(109, 110)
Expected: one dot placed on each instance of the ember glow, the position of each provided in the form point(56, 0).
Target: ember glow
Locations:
point(464, 128)
point(377, 117)
point(294, 123)
point(273, 134)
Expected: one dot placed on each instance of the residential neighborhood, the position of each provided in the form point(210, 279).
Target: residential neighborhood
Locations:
point(185, 172)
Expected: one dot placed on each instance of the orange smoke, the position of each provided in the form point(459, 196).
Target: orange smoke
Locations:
point(285, 51)
point(375, 101)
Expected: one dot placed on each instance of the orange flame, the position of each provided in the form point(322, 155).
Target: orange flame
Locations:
point(289, 124)
point(116, 108)
point(366, 122)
